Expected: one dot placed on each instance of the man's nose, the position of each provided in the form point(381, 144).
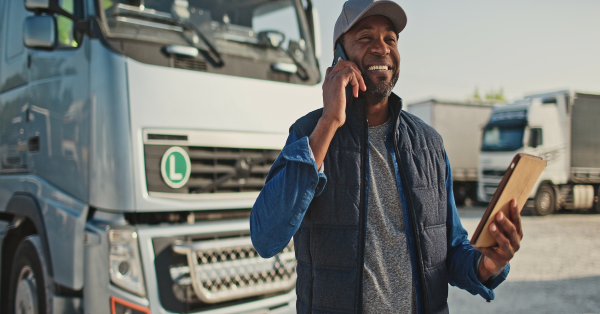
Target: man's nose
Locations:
point(379, 47)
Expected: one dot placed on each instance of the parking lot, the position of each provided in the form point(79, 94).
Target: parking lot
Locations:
point(557, 269)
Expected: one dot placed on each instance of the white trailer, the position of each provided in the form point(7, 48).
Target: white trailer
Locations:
point(460, 126)
point(560, 127)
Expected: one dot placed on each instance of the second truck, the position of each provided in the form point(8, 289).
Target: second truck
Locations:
point(561, 127)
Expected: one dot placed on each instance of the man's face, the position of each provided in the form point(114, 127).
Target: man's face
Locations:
point(372, 45)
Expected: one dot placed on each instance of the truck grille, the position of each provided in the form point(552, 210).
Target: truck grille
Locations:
point(228, 269)
point(213, 169)
point(189, 63)
point(494, 173)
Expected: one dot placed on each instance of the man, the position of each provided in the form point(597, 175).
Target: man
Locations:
point(365, 190)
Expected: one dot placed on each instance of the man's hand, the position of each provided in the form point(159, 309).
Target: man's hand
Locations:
point(334, 90)
point(334, 105)
point(508, 233)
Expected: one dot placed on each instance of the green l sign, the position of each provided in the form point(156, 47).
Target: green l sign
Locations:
point(175, 167)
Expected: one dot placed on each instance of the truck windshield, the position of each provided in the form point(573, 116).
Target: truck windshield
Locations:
point(497, 138)
point(257, 30)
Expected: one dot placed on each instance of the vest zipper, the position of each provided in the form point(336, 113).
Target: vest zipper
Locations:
point(414, 225)
point(363, 216)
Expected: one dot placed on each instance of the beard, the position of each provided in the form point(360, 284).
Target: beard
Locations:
point(380, 89)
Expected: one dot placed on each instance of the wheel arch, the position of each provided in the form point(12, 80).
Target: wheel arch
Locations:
point(25, 217)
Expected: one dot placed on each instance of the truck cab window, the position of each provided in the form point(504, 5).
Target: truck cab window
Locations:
point(502, 138)
point(535, 137)
point(14, 39)
point(68, 36)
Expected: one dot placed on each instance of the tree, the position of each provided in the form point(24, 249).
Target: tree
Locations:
point(476, 95)
point(491, 96)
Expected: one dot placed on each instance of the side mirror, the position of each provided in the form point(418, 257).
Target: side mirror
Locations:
point(51, 6)
point(271, 38)
point(535, 137)
point(39, 31)
point(33, 5)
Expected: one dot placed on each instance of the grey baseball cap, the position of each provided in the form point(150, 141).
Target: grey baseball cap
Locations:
point(355, 10)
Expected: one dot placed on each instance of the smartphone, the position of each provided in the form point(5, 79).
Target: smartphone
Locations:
point(341, 53)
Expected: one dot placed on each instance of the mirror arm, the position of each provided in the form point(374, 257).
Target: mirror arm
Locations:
point(52, 7)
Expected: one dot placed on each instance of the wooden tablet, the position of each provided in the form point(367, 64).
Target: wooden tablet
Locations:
point(517, 183)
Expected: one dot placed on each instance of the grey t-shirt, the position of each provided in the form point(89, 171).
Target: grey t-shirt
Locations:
point(388, 283)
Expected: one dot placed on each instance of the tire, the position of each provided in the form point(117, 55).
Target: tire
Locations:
point(30, 288)
point(545, 203)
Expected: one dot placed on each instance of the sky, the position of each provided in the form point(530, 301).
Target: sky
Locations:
point(450, 48)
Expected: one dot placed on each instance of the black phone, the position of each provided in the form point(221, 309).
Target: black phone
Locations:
point(339, 53)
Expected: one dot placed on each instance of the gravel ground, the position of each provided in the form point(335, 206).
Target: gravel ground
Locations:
point(557, 269)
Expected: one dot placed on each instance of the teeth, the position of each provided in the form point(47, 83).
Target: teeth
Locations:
point(378, 67)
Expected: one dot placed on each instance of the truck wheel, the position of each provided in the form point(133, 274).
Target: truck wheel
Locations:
point(30, 290)
point(544, 201)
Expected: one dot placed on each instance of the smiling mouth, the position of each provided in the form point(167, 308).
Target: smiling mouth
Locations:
point(378, 68)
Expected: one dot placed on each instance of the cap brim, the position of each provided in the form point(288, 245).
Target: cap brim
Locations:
point(387, 8)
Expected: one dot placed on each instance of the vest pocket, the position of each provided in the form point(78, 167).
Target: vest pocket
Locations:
point(430, 206)
point(434, 246)
point(437, 288)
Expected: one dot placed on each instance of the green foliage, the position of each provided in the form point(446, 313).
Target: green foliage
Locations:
point(495, 96)
point(491, 96)
point(476, 95)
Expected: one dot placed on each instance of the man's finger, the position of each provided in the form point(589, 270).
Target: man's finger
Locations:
point(360, 79)
point(502, 240)
point(344, 65)
point(515, 217)
point(354, 82)
point(328, 71)
point(508, 229)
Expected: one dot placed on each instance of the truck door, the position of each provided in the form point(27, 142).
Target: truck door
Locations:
point(14, 78)
point(59, 102)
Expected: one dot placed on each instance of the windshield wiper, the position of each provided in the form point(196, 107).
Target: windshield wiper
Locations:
point(166, 18)
point(299, 65)
point(273, 39)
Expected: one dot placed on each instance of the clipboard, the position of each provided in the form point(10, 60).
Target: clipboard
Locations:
point(518, 181)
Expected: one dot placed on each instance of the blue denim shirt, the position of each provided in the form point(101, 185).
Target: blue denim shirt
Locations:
point(294, 181)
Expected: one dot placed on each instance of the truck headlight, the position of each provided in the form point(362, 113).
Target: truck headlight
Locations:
point(124, 261)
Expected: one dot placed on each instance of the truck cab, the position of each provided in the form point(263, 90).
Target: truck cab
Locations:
point(135, 136)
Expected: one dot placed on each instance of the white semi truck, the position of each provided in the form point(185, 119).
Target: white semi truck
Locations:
point(460, 125)
point(135, 136)
point(561, 127)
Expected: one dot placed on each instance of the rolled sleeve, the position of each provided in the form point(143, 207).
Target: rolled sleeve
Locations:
point(291, 184)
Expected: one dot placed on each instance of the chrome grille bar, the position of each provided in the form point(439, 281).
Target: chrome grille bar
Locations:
point(231, 268)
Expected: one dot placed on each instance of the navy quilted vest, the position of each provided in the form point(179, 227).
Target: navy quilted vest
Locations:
point(330, 242)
